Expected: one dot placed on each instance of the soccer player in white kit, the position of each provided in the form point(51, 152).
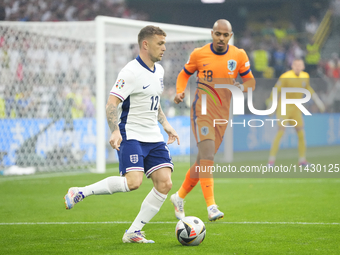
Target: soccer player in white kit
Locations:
point(132, 111)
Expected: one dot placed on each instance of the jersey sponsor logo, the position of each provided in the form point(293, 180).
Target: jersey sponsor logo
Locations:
point(162, 84)
point(232, 65)
point(134, 158)
point(144, 87)
point(205, 130)
point(120, 83)
point(247, 64)
point(206, 64)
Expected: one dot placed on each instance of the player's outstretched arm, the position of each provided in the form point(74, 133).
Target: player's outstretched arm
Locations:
point(112, 120)
point(167, 127)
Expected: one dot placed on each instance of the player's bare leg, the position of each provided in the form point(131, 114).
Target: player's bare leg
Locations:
point(152, 203)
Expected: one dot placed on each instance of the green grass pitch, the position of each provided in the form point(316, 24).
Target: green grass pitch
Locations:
point(262, 215)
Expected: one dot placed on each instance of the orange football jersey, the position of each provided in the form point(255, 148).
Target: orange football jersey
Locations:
point(215, 68)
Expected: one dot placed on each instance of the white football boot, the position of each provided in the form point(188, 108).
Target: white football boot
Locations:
point(179, 205)
point(73, 197)
point(214, 214)
point(135, 237)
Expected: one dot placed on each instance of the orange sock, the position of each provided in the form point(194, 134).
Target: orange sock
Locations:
point(207, 182)
point(189, 182)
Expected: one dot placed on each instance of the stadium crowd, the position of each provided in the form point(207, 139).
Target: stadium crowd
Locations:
point(62, 63)
point(272, 53)
point(66, 10)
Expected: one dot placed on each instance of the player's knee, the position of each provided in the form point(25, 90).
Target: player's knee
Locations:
point(168, 185)
point(207, 156)
point(133, 184)
point(164, 187)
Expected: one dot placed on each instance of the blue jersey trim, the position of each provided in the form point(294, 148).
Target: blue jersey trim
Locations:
point(194, 109)
point(245, 73)
point(218, 53)
point(144, 65)
point(123, 117)
point(185, 70)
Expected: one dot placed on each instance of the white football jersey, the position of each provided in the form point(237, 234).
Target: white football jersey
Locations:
point(140, 90)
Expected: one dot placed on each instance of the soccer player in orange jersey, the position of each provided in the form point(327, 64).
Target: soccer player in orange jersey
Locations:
point(215, 63)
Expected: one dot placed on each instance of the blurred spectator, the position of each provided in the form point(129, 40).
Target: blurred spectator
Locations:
point(291, 32)
point(333, 67)
point(312, 57)
point(260, 58)
point(66, 10)
point(10, 104)
point(2, 11)
point(279, 57)
point(335, 7)
point(246, 41)
point(294, 51)
point(76, 98)
point(280, 33)
point(71, 11)
point(60, 108)
point(25, 105)
point(89, 102)
point(312, 25)
point(2, 107)
point(5, 74)
point(268, 29)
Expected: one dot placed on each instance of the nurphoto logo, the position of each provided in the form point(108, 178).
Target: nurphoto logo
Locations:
point(238, 104)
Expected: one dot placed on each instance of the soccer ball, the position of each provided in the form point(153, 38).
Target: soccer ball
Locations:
point(190, 231)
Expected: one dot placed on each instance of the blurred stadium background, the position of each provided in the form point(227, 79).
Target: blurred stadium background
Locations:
point(48, 83)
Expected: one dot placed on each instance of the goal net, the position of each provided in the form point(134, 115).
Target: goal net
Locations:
point(55, 79)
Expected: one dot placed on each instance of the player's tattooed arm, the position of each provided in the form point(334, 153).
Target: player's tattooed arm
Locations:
point(112, 117)
point(173, 136)
point(161, 116)
point(112, 113)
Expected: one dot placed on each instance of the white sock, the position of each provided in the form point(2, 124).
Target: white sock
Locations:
point(150, 207)
point(272, 158)
point(109, 185)
point(302, 160)
point(178, 197)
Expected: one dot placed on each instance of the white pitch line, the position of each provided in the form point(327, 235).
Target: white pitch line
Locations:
point(168, 222)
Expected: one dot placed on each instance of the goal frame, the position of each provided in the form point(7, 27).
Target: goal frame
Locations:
point(98, 32)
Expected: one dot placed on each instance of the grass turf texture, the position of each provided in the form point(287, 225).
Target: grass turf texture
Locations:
point(262, 216)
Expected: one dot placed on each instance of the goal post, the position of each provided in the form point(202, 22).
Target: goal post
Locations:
point(56, 66)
